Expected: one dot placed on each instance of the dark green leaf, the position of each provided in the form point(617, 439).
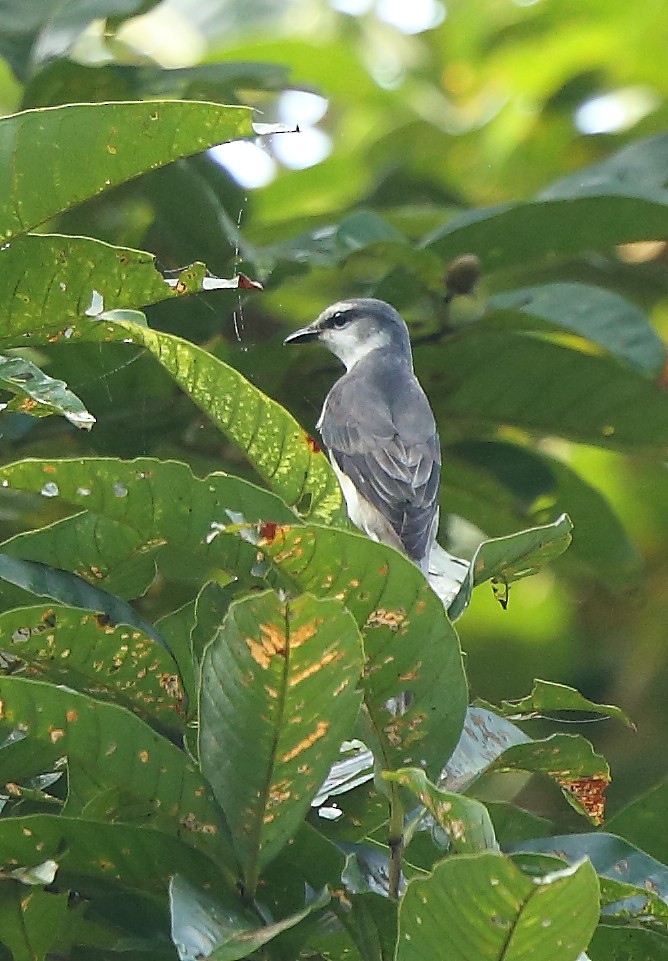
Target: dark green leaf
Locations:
point(537, 230)
point(482, 908)
point(30, 920)
point(278, 696)
point(203, 928)
point(88, 852)
point(555, 389)
point(627, 944)
point(612, 857)
point(601, 316)
point(642, 822)
point(66, 588)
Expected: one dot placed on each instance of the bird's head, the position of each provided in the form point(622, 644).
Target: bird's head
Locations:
point(351, 329)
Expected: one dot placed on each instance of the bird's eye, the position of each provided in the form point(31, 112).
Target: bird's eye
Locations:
point(339, 319)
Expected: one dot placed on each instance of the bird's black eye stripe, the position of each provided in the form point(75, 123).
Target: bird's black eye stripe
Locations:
point(339, 319)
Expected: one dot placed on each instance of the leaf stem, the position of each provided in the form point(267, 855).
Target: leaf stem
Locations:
point(395, 841)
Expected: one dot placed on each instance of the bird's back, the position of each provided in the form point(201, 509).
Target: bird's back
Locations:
point(380, 431)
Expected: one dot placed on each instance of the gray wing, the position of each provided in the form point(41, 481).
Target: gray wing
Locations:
point(385, 441)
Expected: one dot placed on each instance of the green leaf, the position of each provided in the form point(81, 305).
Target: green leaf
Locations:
point(90, 852)
point(281, 452)
point(555, 389)
point(507, 559)
point(66, 588)
point(642, 822)
point(601, 316)
point(641, 163)
point(537, 230)
point(67, 646)
point(548, 696)
point(513, 824)
point(40, 395)
point(278, 696)
point(464, 820)
point(611, 856)
point(501, 486)
point(49, 281)
point(627, 944)
point(97, 549)
point(482, 908)
point(203, 928)
point(30, 921)
point(371, 923)
point(89, 148)
point(107, 747)
point(409, 643)
point(165, 508)
point(570, 761)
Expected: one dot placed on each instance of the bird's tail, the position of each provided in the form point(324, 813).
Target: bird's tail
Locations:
point(446, 574)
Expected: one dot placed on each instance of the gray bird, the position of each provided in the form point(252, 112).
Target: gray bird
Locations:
point(378, 427)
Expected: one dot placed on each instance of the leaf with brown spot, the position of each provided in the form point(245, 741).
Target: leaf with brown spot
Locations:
point(272, 662)
point(65, 645)
point(109, 749)
point(464, 820)
point(571, 762)
point(409, 643)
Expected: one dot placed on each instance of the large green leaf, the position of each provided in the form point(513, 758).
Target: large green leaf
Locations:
point(482, 908)
point(277, 447)
point(540, 230)
point(555, 389)
point(162, 505)
point(48, 281)
point(99, 550)
point(601, 316)
point(88, 148)
point(38, 394)
point(108, 748)
point(278, 695)
point(88, 852)
point(68, 646)
point(409, 643)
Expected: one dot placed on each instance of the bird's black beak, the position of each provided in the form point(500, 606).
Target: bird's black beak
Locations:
point(303, 335)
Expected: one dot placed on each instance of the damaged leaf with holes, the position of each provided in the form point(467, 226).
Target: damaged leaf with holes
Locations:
point(113, 663)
